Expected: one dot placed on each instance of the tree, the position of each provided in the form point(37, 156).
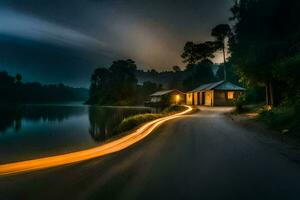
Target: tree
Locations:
point(100, 79)
point(198, 74)
point(189, 54)
point(176, 68)
point(124, 80)
point(18, 78)
point(115, 85)
point(196, 53)
point(221, 32)
point(262, 38)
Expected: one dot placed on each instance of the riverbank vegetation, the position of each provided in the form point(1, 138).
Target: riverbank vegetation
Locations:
point(131, 122)
point(284, 119)
point(268, 56)
point(13, 90)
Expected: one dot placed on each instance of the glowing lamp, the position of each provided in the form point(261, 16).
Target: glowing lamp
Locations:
point(177, 98)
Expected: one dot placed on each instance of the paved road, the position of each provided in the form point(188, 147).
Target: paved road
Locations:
point(200, 156)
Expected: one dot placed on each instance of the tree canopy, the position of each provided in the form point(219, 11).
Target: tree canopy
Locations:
point(195, 53)
point(266, 34)
point(118, 85)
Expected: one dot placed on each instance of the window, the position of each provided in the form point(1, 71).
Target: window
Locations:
point(230, 95)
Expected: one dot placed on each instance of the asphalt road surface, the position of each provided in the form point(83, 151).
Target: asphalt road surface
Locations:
point(204, 155)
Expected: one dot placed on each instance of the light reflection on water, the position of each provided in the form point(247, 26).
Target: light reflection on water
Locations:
point(37, 130)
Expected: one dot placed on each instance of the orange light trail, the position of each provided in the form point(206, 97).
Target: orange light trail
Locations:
point(79, 156)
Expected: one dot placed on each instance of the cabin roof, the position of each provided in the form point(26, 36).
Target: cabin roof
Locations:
point(221, 85)
point(163, 92)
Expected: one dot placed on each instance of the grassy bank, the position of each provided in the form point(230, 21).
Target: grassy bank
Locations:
point(131, 122)
point(284, 119)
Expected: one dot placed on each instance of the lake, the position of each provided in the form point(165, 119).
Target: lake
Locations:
point(33, 131)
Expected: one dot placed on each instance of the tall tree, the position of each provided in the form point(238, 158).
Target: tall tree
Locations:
point(189, 54)
point(176, 68)
point(115, 85)
point(198, 74)
point(221, 32)
point(265, 32)
point(196, 53)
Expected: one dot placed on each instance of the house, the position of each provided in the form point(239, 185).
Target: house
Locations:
point(222, 93)
point(166, 97)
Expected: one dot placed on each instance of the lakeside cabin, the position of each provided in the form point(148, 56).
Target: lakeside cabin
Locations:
point(166, 98)
point(222, 93)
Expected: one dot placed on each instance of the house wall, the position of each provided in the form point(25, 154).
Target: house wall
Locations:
point(195, 96)
point(209, 98)
point(173, 98)
point(202, 98)
point(221, 97)
point(155, 99)
point(189, 98)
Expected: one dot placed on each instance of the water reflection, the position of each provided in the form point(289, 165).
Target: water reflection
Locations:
point(13, 116)
point(33, 131)
point(104, 120)
point(10, 118)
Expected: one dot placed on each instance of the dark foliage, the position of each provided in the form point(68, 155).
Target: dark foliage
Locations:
point(198, 74)
point(12, 90)
point(118, 85)
point(195, 53)
point(266, 44)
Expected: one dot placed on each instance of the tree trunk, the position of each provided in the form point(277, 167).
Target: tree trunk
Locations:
point(224, 57)
point(269, 94)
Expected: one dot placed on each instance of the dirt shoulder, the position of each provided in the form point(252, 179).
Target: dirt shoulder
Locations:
point(250, 121)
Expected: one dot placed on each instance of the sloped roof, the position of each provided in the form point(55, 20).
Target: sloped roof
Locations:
point(163, 92)
point(221, 85)
point(228, 86)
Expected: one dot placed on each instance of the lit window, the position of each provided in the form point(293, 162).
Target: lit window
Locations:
point(230, 95)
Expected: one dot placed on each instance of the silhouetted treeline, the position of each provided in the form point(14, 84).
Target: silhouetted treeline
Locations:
point(118, 85)
point(183, 80)
point(190, 76)
point(13, 90)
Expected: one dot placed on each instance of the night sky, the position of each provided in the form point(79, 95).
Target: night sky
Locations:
point(63, 41)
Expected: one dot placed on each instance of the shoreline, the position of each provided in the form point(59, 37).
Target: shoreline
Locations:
point(110, 147)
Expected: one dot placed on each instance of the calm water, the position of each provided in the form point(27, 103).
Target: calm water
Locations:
point(34, 131)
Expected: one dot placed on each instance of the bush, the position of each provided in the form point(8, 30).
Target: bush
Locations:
point(240, 104)
point(136, 120)
point(280, 118)
point(173, 108)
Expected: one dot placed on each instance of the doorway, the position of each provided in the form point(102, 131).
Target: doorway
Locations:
point(203, 98)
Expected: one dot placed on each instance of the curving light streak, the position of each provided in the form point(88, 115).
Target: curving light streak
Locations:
point(78, 156)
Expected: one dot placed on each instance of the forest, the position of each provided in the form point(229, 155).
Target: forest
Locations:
point(13, 90)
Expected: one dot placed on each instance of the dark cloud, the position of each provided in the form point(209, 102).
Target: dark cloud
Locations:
point(64, 40)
